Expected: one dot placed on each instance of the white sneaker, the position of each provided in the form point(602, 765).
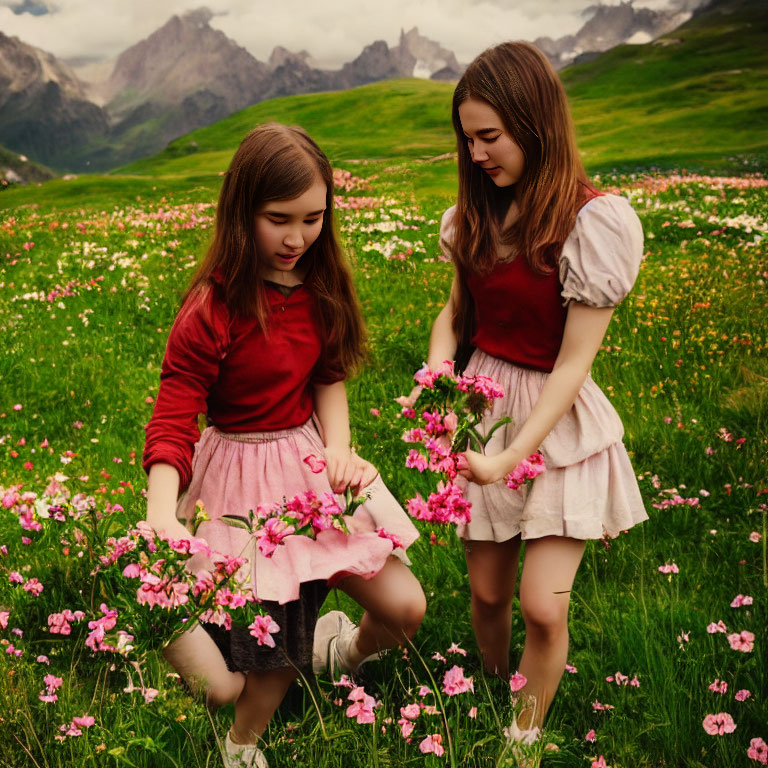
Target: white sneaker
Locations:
point(242, 755)
point(516, 735)
point(326, 654)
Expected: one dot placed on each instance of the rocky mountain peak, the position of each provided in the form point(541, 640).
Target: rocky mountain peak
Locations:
point(199, 16)
point(23, 65)
point(607, 26)
point(430, 57)
point(182, 57)
point(281, 57)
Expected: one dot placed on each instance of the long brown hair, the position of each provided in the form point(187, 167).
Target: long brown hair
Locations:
point(517, 81)
point(276, 162)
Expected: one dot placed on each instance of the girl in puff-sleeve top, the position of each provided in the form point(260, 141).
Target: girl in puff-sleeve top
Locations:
point(541, 259)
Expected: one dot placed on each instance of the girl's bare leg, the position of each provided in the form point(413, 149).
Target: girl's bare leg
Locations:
point(492, 568)
point(549, 569)
point(258, 702)
point(199, 662)
point(394, 606)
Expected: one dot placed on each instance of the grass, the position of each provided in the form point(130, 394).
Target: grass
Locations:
point(84, 314)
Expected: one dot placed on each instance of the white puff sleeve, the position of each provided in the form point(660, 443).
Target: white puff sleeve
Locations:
point(446, 233)
point(602, 255)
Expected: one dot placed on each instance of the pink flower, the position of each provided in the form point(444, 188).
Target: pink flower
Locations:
point(758, 750)
point(517, 682)
point(590, 735)
point(600, 763)
point(262, 628)
point(472, 712)
point(527, 469)
point(132, 571)
point(743, 641)
point(48, 698)
point(43, 660)
point(755, 537)
point(719, 724)
point(396, 543)
point(316, 465)
point(455, 649)
point(375, 412)
point(406, 727)
point(570, 668)
point(271, 535)
point(669, 568)
point(434, 744)
point(362, 706)
point(4, 619)
point(412, 711)
point(598, 707)
point(33, 586)
point(742, 695)
point(416, 460)
point(86, 721)
point(454, 682)
point(424, 691)
point(719, 686)
point(740, 600)
point(714, 628)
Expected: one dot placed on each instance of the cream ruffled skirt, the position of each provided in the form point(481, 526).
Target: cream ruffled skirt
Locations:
point(589, 489)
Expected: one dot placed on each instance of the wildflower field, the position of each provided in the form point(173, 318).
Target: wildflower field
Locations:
point(667, 665)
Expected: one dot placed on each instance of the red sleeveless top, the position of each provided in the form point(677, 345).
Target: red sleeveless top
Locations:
point(519, 315)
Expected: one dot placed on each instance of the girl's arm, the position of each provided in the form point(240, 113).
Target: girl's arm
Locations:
point(162, 496)
point(585, 327)
point(344, 467)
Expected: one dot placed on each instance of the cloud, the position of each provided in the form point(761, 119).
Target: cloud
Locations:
point(333, 31)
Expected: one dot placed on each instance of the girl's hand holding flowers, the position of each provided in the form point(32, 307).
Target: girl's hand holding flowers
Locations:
point(348, 470)
point(484, 470)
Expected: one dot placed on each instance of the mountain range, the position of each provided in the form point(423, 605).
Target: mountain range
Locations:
point(187, 74)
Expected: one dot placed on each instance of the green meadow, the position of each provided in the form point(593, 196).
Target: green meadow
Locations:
point(91, 272)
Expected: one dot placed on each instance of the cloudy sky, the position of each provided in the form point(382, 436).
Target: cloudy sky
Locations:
point(333, 31)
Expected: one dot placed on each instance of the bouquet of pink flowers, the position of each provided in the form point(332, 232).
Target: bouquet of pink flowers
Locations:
point(168, 580)
point(450, 408)
point(306, 514)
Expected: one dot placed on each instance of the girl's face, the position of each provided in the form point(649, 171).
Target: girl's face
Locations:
point(489, 142)
point(285, 229)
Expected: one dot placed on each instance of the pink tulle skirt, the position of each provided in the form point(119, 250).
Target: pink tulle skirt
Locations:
point(233, 473)
point(589, 489)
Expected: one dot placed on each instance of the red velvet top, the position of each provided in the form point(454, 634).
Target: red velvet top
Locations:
point(519, 315)
point(226, 367)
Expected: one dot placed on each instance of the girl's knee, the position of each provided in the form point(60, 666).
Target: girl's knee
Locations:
point(410, 613)
point(545, 616)
point(221, 692)
point(488, 599)
point(407, 613)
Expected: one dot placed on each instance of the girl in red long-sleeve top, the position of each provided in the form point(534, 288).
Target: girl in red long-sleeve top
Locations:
point(541, 259)
point(268, 331)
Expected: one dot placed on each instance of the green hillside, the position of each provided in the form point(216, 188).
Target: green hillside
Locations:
point(14, 166)
point(697, 98)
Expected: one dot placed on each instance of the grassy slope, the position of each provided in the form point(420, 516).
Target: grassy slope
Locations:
point(693, 101)
point(697, 102)
point(27, 169)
